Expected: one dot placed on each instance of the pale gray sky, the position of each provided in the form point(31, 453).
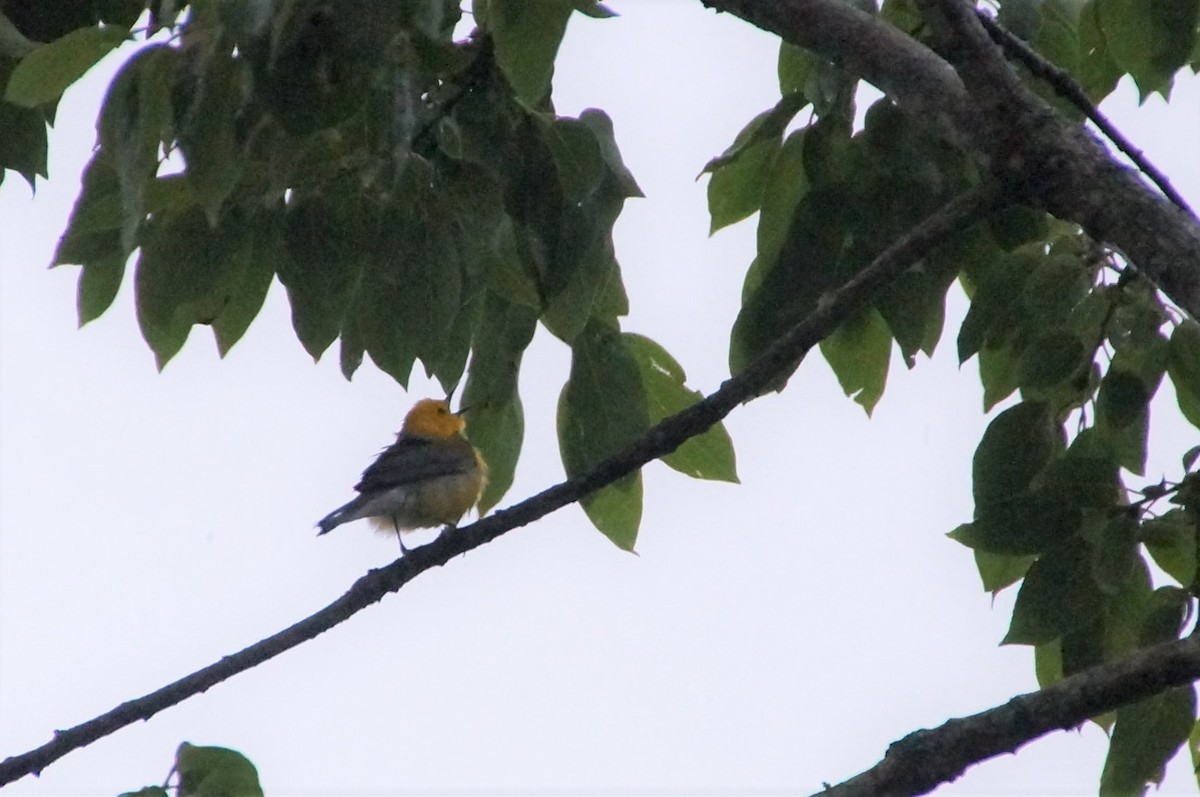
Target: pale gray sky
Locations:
point(769, 636)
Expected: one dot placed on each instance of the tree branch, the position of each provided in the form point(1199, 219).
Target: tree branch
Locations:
point(1051, 162)
point(925, 759)
point(779, 359)
point(1065, 86)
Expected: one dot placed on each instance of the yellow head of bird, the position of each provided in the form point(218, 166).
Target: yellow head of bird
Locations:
point(433, 418)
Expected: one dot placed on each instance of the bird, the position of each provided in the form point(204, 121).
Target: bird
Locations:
point(431, 476)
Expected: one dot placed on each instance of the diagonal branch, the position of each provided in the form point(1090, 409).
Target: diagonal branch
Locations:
point(780, 359)
point(1065, 86)
point(925, 759)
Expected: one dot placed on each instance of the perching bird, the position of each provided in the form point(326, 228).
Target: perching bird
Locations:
point(429, 477)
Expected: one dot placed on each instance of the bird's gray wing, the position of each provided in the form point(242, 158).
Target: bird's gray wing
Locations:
point(413, 459)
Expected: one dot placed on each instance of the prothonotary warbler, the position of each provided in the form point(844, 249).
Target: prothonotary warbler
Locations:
point(429, 477)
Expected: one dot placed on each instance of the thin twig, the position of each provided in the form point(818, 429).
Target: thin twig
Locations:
point(779, 360)
point(1065, 86)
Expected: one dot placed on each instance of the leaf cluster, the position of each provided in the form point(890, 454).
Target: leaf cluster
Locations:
point(417, 197)
point(1054, 318)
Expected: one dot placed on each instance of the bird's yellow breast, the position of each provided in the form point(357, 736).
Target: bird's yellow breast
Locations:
point(434, 502)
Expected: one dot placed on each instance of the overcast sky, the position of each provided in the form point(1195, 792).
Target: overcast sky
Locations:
point(767, 638)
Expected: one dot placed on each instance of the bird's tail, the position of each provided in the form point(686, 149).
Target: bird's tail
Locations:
point(337, 517)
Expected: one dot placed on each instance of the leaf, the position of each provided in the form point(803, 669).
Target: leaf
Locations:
point(602, 408)
point(1057, 596)
point(494, 411)
point(252, 263)
point(1015, 447)
point(324, 263)
point(208, 131)
point(741, 173)
point(995, 307)
point(779, 293)
point(1166, 613)
point(577, 156)
point(997, 374)
point(527, 34)
point(786, 185)
point(44, 74)
point(215, 772)
point(593, 9)
point(1049, 360)
point(1147, 734)
point(1123, 417)
point(134, 121)
point(602, 128)
point(708, 455)
point(23, 145)
point(189, 274)
point(1000, 570)
point(1047, 663)
point(1150, 39)
point(794, 67)
point(859, 351)
point(1183, 366)
point(1171, 541)
point(1028, 524)
point(1114, 553)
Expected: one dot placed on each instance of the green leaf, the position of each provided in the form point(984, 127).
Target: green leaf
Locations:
point(1081, 479)
point(602, 409)
point(997, 373)
point(996, 306)
point(1027, 524)
point(1171, 541)
point(23, 145)
point(794, 67)
point(215, 772)
point(208, 131)
point(1147, 734)
point(190, 274)
point(1183, 366)
point(1115, 552)
point(859, 351)
point(1047, 663)
point(780, 293)
point(1049, 360)
point(1166, 613)
point(527, 34)
point(787, 183)
point(577, 156)
point(1123, 398)
point(1098, 73)
point(1190, 457)
point(1057, 596)
point(706, 456)
point(1123, 418)
point(741, 173)
point(1015, 447)
point(602, 128)
point(325, 262)
point(1150, 39)
point(495, 414)
point(252, 263)
point(593, 9)
point(93, 241)
point(1000, 570)
point(134, 121)
point(44, 74)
